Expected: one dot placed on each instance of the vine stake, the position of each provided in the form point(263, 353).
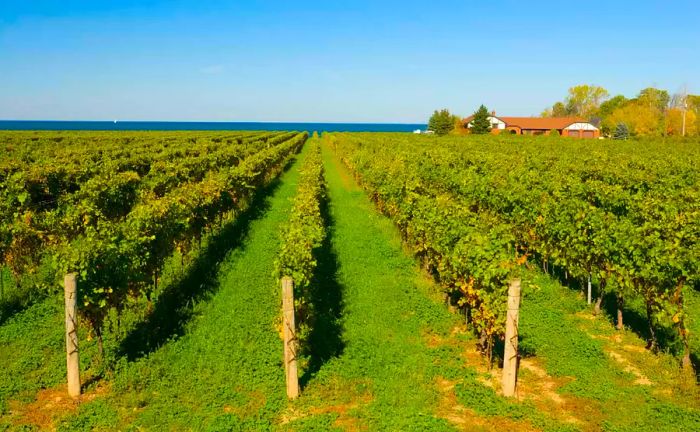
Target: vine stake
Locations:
point(290, 340)
point(510, 352)
point(72, 358)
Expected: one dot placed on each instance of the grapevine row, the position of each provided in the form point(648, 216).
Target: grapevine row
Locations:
point(473, 254)
point(302, 235)
point(630, 224)
point(115, 260)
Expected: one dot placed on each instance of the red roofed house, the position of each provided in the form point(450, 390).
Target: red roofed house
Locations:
point(566, 126)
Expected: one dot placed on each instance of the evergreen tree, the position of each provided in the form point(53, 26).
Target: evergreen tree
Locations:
point(481, 123)
point(622, 132)
point(441, 122)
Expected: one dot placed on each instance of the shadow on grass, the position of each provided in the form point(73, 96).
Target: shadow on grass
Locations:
point(695, 361)
point(11, 306)
point(636, 320)
point(16, 298)
point(326, 294)
point(633, 316)
point(172, 309)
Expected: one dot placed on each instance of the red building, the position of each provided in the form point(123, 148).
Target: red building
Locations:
point(575, 127)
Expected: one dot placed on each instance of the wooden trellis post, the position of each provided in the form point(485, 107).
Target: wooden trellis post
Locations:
point(290, 340)
point(72, 358)
point(510, 354)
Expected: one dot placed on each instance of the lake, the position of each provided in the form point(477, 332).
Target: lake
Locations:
point(167, 126)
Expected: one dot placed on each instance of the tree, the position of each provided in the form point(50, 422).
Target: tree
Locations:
point(673, 122)
point(584, 100)
point(460, 127)
point(655, 98)
point(622, 132)
point(481, 123)
point(693, 102)
point(610, 105)
point(606, 109)
point(441, 122)
point(557, 110)
point(641, 119)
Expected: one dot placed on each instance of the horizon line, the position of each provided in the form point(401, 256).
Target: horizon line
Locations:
point(212, 121)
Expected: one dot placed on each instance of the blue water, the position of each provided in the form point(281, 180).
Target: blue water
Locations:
point(169, 126)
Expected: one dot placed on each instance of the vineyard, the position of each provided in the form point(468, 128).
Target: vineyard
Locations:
point(349, 281)
point(625, 219)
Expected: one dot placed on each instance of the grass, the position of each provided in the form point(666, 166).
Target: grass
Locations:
point(385, 317)
point(558, 327)
point(385, 353)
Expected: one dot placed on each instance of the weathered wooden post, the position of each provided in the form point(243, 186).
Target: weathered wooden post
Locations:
point(290, 340)
point(72, 358)
point(510, 354)
point(589, 295)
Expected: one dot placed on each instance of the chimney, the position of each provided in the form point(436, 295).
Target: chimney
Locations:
point(493, 113)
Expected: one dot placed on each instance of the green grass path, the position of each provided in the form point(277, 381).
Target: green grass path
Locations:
point(384, 379)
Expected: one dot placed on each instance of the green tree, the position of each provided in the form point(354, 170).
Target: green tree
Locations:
point(481, 123)
point(610, 105)
point(584, 100)
point(441, 122)
point(606, 109)
point(655, 98)
point(622, 132)
point(557, 110)
point(693, 102)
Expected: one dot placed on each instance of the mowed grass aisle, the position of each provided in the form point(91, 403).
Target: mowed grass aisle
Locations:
point(384, 377)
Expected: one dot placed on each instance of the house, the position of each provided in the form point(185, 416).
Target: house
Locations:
point(566, 126)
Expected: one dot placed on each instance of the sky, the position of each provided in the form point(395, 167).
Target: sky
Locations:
point(332, 61)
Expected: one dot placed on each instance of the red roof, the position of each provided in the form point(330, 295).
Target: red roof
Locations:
point(540, 123)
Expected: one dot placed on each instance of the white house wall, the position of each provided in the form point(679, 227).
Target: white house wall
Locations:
point(581, 126)
point(493, 120)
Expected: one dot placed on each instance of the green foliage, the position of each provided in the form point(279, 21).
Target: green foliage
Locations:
point(302, 236)
point(655, 98)
point(559, 110)
point(221, 370)
point(480, 121)
point(441, 122)
point(113, 218)
point(583, 211)
point(440, 228)
point(610, 105)
point(93, 416)
point(582, 101)
point(606, 110)
point(622, 132)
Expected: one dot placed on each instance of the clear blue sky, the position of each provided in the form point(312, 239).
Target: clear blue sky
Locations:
point(356, 61)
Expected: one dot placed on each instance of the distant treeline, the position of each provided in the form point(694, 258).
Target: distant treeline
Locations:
point(653, 112)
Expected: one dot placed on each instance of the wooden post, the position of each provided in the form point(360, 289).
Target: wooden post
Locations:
point(510, 354)
point(72, 358)
point(290, 340)
point(590, 291)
